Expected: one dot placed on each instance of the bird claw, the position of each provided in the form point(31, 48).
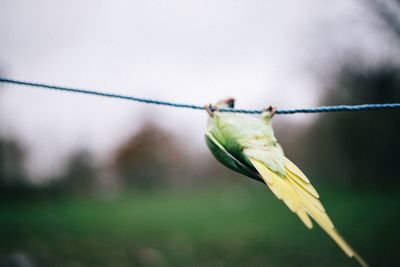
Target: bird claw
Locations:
point(210, 109)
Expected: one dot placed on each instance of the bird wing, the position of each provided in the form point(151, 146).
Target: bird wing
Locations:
point(228, 159)
point(296, 191)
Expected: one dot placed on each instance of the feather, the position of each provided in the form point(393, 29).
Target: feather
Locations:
point(294, 169)
point(306, 186)
point(305, 218)
point(302, 201)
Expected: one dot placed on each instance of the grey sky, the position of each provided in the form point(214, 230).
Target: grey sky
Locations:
point(260, 52)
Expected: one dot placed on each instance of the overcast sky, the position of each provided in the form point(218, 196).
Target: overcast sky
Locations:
point(260, 52)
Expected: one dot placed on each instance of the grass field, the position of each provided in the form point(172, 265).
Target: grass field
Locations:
point(233, 226)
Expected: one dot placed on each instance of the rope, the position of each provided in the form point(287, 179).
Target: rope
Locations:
point(196, 107)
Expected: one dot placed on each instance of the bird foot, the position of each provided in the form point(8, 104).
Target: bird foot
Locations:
point(210, 109)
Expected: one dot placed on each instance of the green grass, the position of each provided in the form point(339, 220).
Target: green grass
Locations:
point(233, 226)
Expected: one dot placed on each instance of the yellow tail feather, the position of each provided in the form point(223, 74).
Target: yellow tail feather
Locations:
point(301, 197)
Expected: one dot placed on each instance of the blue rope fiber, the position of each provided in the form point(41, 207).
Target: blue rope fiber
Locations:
point(188, 106)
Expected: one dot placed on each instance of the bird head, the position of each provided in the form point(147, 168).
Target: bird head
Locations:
point(226, 103)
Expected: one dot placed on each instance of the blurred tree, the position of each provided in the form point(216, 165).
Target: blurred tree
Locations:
point(148, 159)
point(12, 168)
point(14, 180)
point(388, 11)
point(13, 174)
point(359, 147)
point(80, 175)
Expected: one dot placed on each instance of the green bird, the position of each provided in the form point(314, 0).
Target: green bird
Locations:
point(246, 144)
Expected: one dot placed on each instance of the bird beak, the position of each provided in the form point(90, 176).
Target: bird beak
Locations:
point(230, 102)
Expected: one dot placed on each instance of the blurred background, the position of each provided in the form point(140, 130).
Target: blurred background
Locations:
point(90, 181)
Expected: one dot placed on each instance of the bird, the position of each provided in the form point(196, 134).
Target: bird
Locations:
point(246, 144)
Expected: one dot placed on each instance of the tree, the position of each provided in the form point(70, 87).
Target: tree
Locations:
point(359, 147)
point(387, 11)
point(80, 175)
point(148, 159)
point(12, 167)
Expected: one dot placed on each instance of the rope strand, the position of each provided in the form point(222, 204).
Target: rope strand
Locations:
point(196, 107)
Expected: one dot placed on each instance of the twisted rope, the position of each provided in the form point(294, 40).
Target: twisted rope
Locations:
point(197, 107)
